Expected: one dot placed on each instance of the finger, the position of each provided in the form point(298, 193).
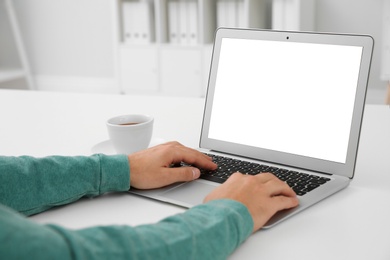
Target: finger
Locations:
point(266, 177)
point(283, 202)
point(181, 174)
point(193, 157)
point(277, 187)
point(186, 150)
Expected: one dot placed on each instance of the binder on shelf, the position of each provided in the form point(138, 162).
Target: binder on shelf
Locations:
point(286, 15)
point(183, 22)
point(146, 22)
point(226, 13)
point(192, 31)
point(128, 23)
point(221, 14)
point(293, 15)
point(231, 13)
point(278, 15)
point(138, 22)
point(173, 21)
point(241, 22)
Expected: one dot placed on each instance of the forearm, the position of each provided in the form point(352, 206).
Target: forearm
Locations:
point(32, 185)
point(208, 231)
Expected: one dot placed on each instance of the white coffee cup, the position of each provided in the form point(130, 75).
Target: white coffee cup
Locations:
point(130, 133)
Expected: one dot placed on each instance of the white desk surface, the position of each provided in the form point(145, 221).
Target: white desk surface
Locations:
point(352, 224)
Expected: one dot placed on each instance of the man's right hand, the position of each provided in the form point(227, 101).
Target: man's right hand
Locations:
point(263, 195)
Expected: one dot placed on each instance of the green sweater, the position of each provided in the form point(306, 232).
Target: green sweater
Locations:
point(31, 185)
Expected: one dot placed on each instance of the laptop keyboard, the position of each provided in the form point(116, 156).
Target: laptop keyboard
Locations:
point(301, 183)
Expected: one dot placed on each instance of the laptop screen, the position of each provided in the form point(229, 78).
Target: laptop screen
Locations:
point(285, 96)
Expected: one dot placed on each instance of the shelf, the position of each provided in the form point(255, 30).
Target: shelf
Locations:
point(165, 46)
point(11, 74)
point(185, 22)
point(8, 74)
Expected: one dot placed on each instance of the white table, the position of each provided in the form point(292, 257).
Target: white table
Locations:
point(352, 224)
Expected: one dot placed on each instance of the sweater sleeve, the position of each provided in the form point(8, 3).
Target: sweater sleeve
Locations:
point(208, 231)
point(32, 185)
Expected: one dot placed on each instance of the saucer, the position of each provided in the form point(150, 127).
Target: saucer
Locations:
point(106, 146)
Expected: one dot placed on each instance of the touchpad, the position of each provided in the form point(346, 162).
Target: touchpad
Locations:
point(191, 193)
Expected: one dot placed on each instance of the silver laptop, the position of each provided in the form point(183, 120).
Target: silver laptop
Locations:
point(290, 103)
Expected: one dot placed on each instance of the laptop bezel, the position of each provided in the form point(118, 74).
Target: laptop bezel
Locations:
point(343, 169)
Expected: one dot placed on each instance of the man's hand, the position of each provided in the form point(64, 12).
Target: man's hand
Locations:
point(263, 195)
point(151, 168)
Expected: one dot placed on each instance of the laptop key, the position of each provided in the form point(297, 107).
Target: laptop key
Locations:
point(212, 178)
point(301, 183)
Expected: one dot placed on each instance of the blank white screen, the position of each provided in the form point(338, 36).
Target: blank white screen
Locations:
point(291, 97)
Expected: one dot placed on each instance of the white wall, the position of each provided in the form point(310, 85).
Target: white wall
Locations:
point(73, 38)
point(362, 17)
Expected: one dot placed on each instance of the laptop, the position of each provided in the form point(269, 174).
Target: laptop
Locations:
point(289, 103)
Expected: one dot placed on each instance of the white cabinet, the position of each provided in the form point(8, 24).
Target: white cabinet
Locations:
point(165, 70)
point(207, 53)
point(181, 71)
point(139, 69)
point(165, 45)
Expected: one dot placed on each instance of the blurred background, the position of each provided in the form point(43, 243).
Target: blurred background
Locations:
point(160, 47)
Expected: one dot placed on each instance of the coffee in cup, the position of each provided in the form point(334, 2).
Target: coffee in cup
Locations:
point(130, 133)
